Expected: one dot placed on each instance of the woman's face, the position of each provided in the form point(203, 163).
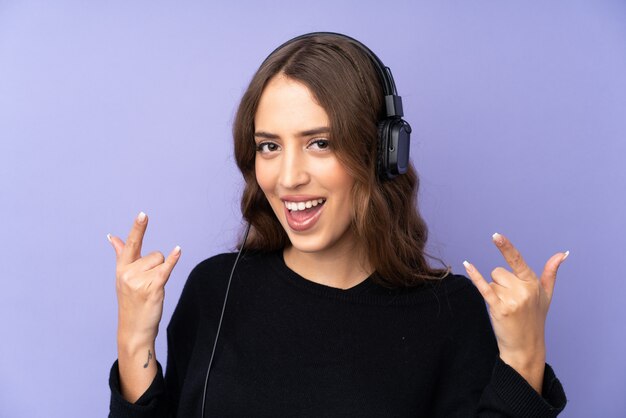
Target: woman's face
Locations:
point(297, 169)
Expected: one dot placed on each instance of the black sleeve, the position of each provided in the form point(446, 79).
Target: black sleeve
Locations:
point(508, 394)
point(152, 404)
point(475, 381)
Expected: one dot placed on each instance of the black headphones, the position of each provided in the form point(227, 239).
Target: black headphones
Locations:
point(394, 133)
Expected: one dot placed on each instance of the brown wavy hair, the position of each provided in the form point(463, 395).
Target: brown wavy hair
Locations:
point(385, 217)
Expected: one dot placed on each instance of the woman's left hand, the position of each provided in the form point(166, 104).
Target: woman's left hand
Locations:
point(518, 306)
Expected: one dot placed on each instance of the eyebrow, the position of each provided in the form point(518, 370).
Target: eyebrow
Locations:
point(309, 132)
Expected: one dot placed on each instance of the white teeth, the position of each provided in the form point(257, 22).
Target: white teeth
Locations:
point(296, 206)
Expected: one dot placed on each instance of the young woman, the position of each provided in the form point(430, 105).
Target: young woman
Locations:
point(333, 309)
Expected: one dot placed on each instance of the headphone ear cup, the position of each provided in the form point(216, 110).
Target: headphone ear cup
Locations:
point(399, 144)
point(394, 135)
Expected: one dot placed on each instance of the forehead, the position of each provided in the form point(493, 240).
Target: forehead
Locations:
point(288, 106)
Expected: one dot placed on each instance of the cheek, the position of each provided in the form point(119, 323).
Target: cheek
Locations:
point(339, 180)
point(263, 177)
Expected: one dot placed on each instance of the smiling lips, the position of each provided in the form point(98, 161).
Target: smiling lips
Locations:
point(303, 215)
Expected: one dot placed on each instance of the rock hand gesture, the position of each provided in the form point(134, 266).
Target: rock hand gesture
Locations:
point(518, 306)
point(140, 286)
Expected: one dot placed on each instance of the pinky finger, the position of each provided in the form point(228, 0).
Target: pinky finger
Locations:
point(481, 284)
point(118, 244)
point(170, 262)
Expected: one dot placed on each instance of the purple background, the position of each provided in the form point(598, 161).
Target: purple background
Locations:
point(109, 108)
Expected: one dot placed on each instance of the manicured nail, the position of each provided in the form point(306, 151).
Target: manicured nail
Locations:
point(109, 237)
point(565, 256)
point(141, 217)
point(177, 250)
point(467, 265)
point(497, 238)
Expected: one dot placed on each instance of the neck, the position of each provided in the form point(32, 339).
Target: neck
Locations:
point(341, 268)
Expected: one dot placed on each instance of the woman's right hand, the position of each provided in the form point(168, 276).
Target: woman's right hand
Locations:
point(140, 285)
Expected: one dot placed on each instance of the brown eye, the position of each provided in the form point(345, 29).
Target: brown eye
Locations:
point(321, 144)
point(265, 147)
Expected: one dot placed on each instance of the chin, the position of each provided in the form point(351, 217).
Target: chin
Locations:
point(308, 244)
point(319, 243)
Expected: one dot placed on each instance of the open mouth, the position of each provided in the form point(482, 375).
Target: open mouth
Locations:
point(303, 215)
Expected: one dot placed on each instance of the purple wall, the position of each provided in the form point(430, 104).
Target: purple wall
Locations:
point(109, 108)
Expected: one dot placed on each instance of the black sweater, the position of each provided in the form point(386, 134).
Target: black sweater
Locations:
point(292, 347)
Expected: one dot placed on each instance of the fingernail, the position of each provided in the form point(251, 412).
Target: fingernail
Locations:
point(565, 256)
point(497, 238)
point(177, 250)
point(467, 265)
point(109, 237)
point(141, 217)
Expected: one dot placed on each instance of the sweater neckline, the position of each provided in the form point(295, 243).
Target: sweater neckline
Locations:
point(278, 262)
point(368, 291)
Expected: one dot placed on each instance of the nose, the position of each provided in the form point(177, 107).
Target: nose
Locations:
point(293, 169)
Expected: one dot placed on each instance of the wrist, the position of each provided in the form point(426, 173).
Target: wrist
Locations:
point(137, 369)
point(129, 344)
point(530, 359)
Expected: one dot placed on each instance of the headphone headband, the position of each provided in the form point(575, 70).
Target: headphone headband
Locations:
point(393, 102)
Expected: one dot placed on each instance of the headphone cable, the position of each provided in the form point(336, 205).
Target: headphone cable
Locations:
point(219, 324)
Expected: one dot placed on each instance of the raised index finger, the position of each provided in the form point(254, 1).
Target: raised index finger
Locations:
point(132, 248)
point(513, 258)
